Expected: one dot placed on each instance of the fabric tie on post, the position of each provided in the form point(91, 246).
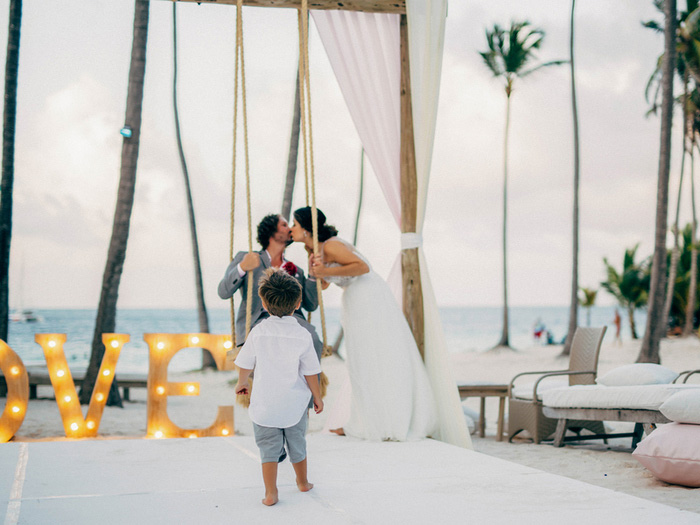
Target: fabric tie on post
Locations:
point(411, 241)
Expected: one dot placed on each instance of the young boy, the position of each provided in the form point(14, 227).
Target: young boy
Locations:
point(286, 375)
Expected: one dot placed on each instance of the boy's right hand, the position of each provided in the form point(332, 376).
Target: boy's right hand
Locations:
point(318, 405)
point(242, 389)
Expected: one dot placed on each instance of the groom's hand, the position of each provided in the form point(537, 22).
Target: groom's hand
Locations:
point(250, 261)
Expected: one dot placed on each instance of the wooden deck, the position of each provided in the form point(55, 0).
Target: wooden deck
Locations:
point(218, 480)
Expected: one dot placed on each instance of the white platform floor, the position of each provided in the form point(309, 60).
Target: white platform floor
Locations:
point(218, 480)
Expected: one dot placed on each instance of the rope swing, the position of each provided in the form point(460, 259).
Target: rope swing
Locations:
point(240, 65)
point(306, 137)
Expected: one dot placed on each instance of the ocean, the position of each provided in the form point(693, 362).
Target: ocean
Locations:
point(467, 329)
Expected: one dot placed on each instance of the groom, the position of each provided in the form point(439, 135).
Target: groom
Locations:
point(274, 235)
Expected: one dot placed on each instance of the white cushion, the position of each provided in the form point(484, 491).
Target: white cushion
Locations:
point(638, 374)
point(525, 391)
point(641, 397)
point(683, 407)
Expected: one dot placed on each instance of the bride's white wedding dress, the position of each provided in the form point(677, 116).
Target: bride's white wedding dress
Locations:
point(389, 396)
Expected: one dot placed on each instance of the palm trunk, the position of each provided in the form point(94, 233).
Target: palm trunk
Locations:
point(107, 309)
point(8, 159)
point(207, 358)
point(504, 335)
point(693, 288)
point(573, 308)
point(293, 156)
point(633, 326)
point(675, 254)
point(649, 353)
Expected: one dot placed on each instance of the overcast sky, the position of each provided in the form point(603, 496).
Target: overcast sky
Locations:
point(74, 62)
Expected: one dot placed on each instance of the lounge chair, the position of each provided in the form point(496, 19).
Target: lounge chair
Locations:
point(525, 407)
point(638, 404)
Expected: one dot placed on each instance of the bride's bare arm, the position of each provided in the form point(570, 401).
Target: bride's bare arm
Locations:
point(336, 252)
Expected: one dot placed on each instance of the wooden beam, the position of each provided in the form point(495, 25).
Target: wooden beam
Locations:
point(410, 267)
point(367, 6)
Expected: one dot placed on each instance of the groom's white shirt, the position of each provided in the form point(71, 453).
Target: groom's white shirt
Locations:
point(281, 352)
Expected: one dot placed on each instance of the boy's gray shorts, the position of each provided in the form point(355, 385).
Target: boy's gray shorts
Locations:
point(271, 442)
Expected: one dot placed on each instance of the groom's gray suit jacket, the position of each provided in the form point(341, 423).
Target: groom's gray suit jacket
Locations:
point(232, 281)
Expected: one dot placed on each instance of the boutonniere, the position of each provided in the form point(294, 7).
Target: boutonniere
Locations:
point(290, 268)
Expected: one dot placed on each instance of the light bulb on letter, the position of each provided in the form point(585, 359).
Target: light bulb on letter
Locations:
point(67, 399)
point(74, 427)
point(194, 340)
point(100, 397)
point(115, 344)
point(60, 373)
point(106, 373)
point(160, 390)
point(160, 345)
point(228, 345)
point(52, 343)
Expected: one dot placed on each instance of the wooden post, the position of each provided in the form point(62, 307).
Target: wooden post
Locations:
point(410, 267)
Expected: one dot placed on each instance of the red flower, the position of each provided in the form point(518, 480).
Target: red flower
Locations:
point(290, 268)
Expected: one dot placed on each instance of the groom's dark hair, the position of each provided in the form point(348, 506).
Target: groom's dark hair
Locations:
point(267, 228)
point(279, 291)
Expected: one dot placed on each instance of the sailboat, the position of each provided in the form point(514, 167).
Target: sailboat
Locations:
point(22, 315)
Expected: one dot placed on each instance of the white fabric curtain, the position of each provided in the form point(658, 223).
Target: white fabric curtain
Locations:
point(364, 51)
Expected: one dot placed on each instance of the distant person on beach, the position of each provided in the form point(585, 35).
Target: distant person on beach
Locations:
point(618, 324)
point(389, 396)
point(274, 235)
point(286, 366)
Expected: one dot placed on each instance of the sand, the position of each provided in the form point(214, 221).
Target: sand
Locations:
point(611, 466)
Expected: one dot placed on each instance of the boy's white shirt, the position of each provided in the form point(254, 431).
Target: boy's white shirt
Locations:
point(282, 353)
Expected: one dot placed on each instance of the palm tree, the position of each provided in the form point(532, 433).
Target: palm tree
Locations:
point(628, 286)
point(681, 284)
point(573, 308)
point(207, 358)
point(293, 156)
point(509, 56)
point(587, 301)
point(107, 309)
point(8, 159)
point(693, 288)
point(649, 353)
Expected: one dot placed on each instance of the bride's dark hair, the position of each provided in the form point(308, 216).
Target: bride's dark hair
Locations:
point(303, 217)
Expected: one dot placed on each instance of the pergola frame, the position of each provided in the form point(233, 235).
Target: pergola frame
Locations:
point(410, 266)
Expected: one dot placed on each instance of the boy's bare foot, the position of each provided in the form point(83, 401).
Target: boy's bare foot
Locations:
point(338, 431)
point(270, 499)
point(305, 486)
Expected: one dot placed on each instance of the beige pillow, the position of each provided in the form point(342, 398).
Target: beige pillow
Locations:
point(672, 454)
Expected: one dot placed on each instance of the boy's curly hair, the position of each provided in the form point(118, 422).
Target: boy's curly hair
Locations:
point(279, 291)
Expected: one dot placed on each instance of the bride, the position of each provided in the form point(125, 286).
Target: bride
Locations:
point(390, 397)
